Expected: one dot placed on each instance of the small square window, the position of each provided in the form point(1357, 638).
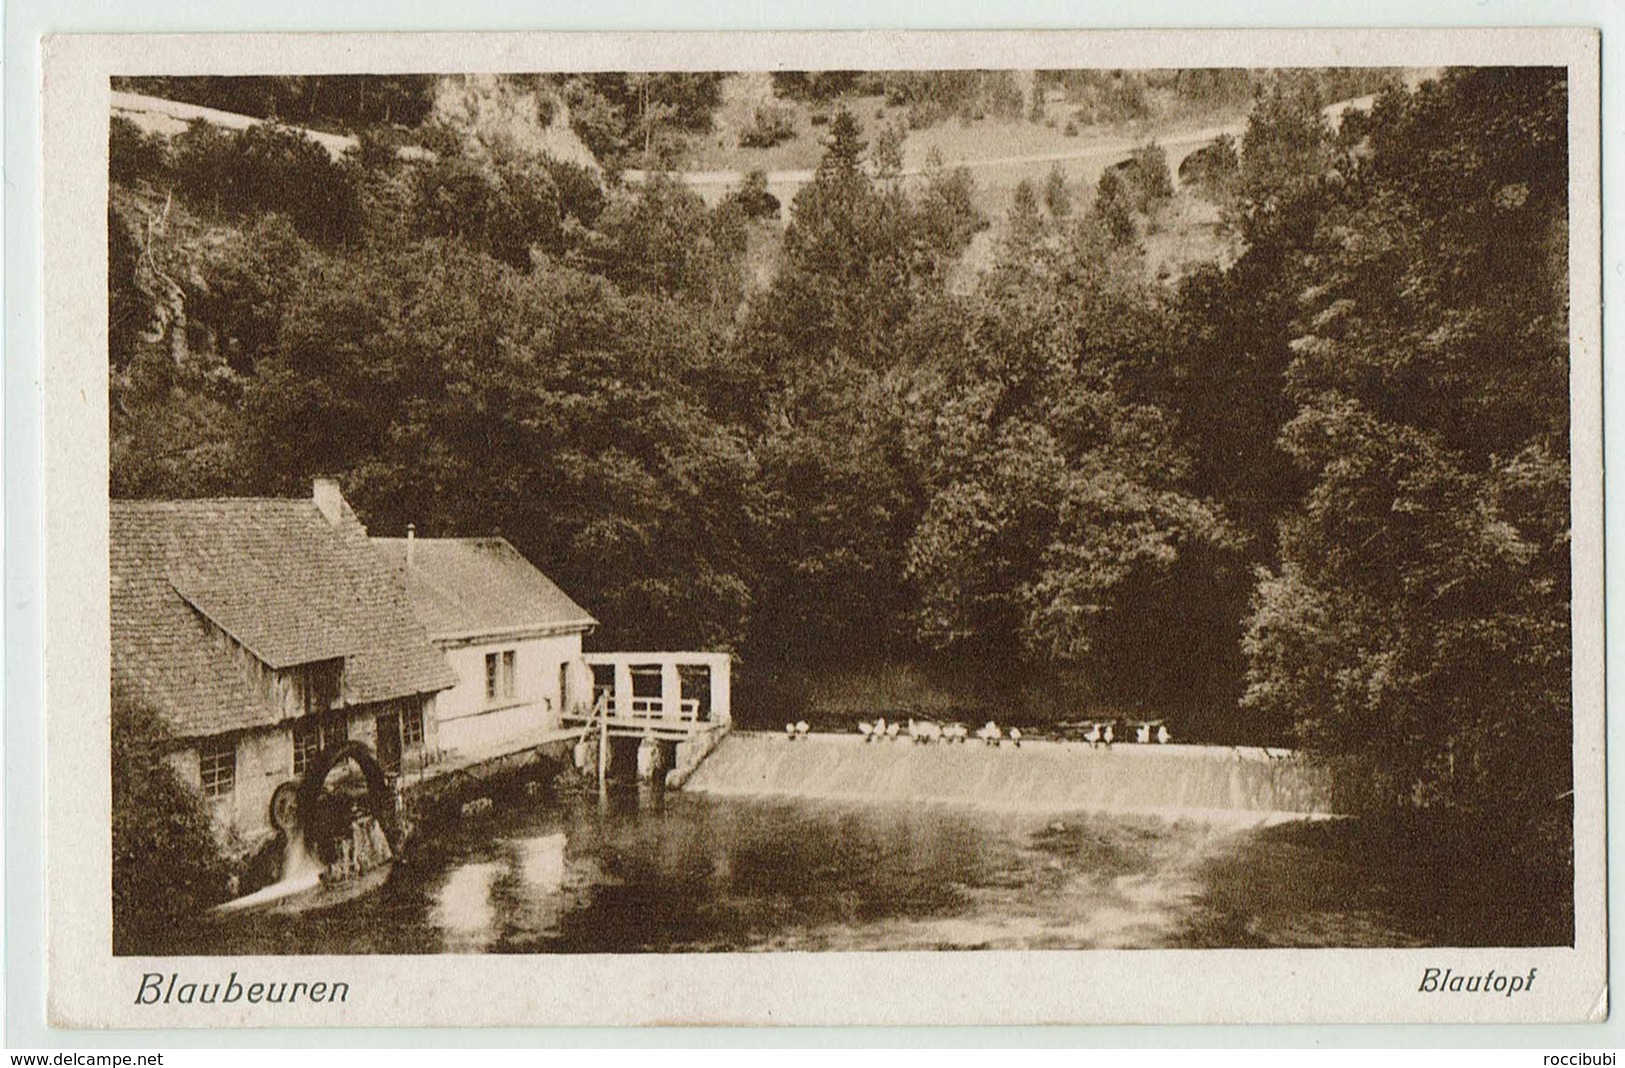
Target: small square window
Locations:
point(217, 767)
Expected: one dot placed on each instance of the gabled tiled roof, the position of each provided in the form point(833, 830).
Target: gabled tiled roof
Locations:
point(278, 578)
point(471, 587)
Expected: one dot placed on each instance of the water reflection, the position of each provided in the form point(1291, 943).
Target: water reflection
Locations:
point(541, 862)
point(463, 910)
point(567, 874)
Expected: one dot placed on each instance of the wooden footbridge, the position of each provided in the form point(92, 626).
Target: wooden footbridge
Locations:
point(676, 704)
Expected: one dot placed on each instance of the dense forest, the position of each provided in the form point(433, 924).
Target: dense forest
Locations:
point(1318, 495)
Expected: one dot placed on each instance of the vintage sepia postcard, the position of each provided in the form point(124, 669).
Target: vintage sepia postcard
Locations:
point(853, 528)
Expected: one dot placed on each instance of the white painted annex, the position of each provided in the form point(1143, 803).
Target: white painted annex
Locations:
point(509, 633)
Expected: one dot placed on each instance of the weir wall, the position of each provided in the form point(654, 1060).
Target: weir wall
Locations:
point(1185, 781)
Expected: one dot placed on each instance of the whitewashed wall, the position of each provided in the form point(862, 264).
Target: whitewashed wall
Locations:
point(468, 721)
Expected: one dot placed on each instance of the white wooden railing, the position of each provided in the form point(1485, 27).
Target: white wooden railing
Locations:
point(656, 708)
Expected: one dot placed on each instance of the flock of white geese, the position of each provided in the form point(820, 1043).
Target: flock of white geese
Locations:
point(925, 731)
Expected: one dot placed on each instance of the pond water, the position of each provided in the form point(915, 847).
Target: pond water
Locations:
point(690, 873)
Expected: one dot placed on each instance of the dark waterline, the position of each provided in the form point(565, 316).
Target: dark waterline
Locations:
point(685, 873)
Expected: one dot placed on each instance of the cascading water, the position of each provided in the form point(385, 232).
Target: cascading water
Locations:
point(1191, 782)
point(298, 862)
point(301, 871)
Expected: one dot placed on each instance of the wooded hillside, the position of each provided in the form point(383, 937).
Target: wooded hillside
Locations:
point(1318, 495)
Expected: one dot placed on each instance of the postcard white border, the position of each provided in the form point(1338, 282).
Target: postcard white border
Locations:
point(87, 987)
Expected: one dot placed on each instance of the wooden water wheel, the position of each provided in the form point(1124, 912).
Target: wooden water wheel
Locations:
point(285, 808)
point(326, 817)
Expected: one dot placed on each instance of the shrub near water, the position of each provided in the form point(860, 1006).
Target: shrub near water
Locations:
point(165, 862)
